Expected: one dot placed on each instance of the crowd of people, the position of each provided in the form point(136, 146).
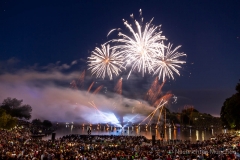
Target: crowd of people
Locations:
point(18, 144)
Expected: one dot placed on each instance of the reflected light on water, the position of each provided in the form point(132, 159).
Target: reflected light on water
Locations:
point(157, 134)
point(108, 129)
point(197, 135)
point(175, 133)
point(190, 134)
point(170, 133)
point(178, 133)
point(165, 133)
point(202, 135)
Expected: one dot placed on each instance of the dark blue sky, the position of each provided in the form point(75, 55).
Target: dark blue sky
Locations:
point(45, 32)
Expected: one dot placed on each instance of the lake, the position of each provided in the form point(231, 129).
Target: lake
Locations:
point(170, 133)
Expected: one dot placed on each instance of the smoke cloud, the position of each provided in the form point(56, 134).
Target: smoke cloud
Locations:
point(56, 102)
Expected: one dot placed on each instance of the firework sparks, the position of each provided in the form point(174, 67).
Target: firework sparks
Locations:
point(140, 50)
point(164, 98)
point(81, 79)
point(161, 104)
point(167, 62)
point(118, 87)
point(98, 89)
point(73, 84)
point(90, 87)
point(154, 91)
point(115, 29)
point(174, 99)
point(105, 61)
point(143, 51)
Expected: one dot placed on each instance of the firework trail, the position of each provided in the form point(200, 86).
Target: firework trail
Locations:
point(115, 29)
point(151, 117)
point(90, 87)
point(150, 95)
point(94, 106)
point(81, 79)
point(164, 98)
point(141, 47)
point(118, 87)
point(153, 95)
point(150, 92)
point(105, 61)
point(161, 104)
point(98, 89)
point(73, 84)
point(154, 91)
point(130, 120)
point(158, 91)
point(167, 62)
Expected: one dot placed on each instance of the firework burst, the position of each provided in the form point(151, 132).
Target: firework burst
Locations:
point(167, 62)
point(105, 61)
point(143, 50)
point(140, 49)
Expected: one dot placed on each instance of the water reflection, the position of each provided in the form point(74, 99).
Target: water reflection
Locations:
point(197, 135)
point(190, 136)
point(170, 133)
point(178, 133)
point(174, 133)
point(147, 131)
point(165, 133)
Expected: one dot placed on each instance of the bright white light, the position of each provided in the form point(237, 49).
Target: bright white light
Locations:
point(105, 61)
point(167, 62)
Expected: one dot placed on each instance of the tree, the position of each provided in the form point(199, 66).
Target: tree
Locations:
point(15, 108)
point(230, 111)
point(47, 123)
point(39, 123)
point(6, 120)
point(36, 122)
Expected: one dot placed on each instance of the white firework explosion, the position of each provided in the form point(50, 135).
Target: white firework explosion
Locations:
point(143, 51)
point(167, 62)
point(105, 61)
point(140, 49)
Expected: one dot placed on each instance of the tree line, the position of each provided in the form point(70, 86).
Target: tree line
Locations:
point(12, 109)
point(230, 111)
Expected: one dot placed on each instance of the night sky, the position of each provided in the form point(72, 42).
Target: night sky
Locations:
point(43, 38)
